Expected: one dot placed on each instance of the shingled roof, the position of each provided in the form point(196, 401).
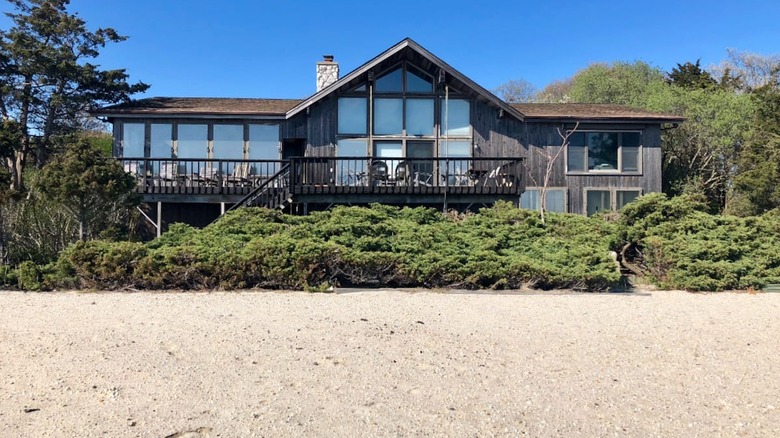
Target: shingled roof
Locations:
point(222, 106)
point(202, 106)
point(590, 111)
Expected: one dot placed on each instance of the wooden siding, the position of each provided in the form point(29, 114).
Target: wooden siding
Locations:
point(544, 136)
point(495, 136)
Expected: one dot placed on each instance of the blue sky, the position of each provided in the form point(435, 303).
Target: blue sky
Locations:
point(257, 48)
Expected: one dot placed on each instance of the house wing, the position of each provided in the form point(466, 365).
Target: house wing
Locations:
point(409, 50)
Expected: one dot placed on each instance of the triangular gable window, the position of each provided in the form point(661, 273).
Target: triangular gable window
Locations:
point(391, 82)
point(417, 81)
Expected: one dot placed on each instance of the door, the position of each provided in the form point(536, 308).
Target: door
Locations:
point(419, 157)
point(293, 147)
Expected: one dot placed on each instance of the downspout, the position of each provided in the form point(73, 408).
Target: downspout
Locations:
point(446, 143)
point(370, 151)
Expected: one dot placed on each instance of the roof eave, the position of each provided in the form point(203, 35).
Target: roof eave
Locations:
point(604, 119)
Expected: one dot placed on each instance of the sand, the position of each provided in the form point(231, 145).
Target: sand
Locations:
point(389, 363)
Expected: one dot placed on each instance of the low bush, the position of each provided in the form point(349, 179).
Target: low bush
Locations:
point(686, 248)
point(501, 247)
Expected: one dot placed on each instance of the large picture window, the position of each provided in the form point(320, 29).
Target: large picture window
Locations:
point(161, 140)
point(193, 141)
point(133, 140)
point(353, 115)
point(404, 120)
point(455, 117)
point(606, 152)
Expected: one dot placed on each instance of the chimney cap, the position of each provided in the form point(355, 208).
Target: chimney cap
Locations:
point(327, 58)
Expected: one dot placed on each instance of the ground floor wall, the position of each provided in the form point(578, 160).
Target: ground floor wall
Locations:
point(164, 214)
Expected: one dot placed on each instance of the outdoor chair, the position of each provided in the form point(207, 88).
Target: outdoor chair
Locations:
point(168, 175)
point(378, 173)
point(240, 176)
point(402, 173)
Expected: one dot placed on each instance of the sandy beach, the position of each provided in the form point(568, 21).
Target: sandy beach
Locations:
point(389, 363)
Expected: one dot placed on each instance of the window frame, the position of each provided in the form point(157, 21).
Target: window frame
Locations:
point(437, 95)
point(175, 123)
point(612, 195)
point(619, 170)
point(563, 189)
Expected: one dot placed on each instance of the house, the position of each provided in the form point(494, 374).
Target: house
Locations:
point(404, 128)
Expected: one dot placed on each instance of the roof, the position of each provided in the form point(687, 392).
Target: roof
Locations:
point(407, 44)
point(202, 106)
point(590, 111)
point(287, 108)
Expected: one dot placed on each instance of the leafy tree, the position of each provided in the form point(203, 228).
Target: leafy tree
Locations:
point(700, 154)
point(619, 83)
point(46, 79)
point(556, 92)
point(517, 91)
point(691, 76)
point(757, 184)
point(90, 185)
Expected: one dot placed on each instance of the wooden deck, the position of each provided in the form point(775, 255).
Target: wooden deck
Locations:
point(329, 180)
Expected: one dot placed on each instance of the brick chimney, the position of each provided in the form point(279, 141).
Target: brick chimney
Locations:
point(327, 72)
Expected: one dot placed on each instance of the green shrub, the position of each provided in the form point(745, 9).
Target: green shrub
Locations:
point(687, 248)
point(500, 247)
point(28, 276)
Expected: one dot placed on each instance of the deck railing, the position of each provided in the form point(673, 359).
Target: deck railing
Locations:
point(499, 175)
point(311, 175)
point(199, 176)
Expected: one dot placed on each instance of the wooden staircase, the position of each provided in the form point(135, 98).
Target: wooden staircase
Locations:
point(273, 193)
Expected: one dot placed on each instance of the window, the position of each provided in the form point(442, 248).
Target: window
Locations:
point(402, 113)
point(352, 172)
point(556, 199)
point(419, 117)
point(133, 140)
point(353, 113)
point(193, 141)
point(389, 149)
point(457, 171)
point(264, 145)
point(161, 140)
point(263, 142)
point(228, 144)
point(390, 83)
point(455, 117)
point(417, 81)
point(623, 197)
point(597, 200)
point(608, 152)
point(388, 116)
point(608, 199)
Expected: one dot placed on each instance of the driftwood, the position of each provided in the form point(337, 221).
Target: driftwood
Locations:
point(625, 263)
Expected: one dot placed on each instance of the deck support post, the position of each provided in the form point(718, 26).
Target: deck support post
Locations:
point(221, 208)
point(159, 218)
